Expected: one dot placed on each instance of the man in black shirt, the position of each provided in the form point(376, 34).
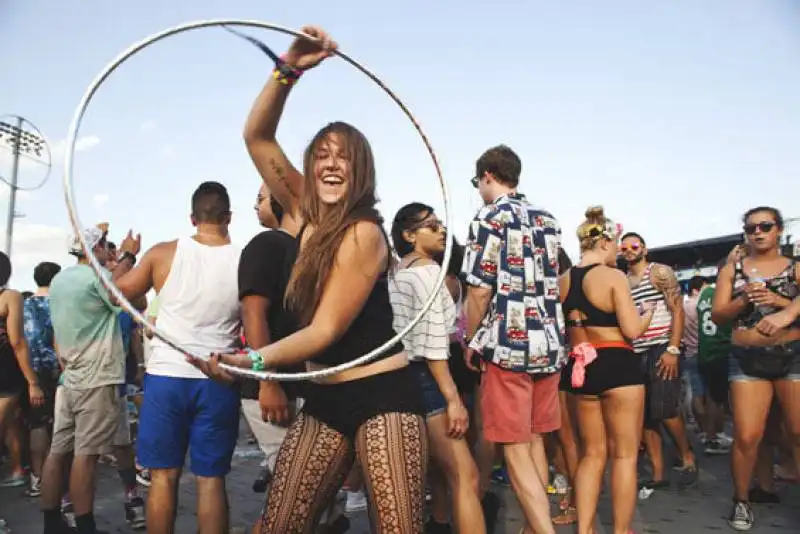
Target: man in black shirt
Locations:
point(264, 269)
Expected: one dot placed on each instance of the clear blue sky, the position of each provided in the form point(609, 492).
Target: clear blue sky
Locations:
point(676, 116)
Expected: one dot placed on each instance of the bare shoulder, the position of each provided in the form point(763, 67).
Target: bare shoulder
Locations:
point(10, 298)
point(365, 237)
point(165, 249)
point(665, 280)
point(614, 275)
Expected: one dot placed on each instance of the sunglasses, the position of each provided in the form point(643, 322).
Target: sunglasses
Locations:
point(431, 224)
point(475, 181)
point(765, 227)
point(633, 246)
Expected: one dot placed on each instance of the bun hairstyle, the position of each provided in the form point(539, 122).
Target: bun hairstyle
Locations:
point(596, 226)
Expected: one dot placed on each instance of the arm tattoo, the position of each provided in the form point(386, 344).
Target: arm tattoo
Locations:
point(280, 172)
point(664, 280)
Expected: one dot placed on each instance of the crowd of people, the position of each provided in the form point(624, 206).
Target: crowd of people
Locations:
point(526, 368)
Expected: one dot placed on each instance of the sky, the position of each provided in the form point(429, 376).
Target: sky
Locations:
point(675, 116)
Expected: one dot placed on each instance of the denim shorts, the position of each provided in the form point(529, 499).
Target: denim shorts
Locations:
point(735, 373)
point(432, 398)
point(691, 377)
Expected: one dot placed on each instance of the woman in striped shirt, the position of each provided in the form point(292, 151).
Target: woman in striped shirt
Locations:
point(418, 237)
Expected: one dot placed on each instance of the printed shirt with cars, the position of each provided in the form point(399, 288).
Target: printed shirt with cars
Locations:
point(512, 248)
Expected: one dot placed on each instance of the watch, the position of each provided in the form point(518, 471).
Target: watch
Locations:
point(124, 256)
point(675, 351)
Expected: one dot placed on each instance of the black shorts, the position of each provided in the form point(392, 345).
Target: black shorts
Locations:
point(466, 380)
point(615, 367)
point(714, 374)
point(42, 416)
point(663, 398)
point(348, 405)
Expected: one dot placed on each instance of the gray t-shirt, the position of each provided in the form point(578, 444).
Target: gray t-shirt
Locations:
point(86, 328)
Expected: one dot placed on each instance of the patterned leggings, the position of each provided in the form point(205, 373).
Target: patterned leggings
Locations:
point(314, 460)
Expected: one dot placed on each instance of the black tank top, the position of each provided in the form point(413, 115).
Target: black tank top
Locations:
point(783, 284)
point(370, 329)
point(576, 300)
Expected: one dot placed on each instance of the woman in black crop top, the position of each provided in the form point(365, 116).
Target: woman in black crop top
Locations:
point(603, 373)
point(758, 293)
point(337, 294)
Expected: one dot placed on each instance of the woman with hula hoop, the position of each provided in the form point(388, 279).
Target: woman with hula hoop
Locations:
point(338, 297)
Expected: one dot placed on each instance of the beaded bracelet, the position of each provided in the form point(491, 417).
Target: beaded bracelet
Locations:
point(257, 359)
point(284, 73)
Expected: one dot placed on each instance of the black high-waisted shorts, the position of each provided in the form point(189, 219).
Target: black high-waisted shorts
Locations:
point(348, 405)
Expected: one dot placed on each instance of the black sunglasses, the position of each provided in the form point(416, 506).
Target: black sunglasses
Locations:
point(475, 180)
point(765, 227)
point(431, 224)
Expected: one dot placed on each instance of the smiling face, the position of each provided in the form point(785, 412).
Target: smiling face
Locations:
point(762, 230)
point(332, 169)
point(633, 250)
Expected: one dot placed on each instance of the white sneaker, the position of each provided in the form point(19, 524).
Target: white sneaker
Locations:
point(724, 439)
point(356, 502)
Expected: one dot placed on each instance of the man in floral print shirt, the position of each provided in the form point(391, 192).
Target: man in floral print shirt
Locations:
point(515, 323)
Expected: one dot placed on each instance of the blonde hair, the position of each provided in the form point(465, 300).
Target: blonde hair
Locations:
point(596, 226)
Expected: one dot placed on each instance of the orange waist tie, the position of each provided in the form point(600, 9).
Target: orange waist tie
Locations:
point(610, 345)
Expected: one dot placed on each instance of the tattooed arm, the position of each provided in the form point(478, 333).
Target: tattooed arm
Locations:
point(664, 279)
point(284, 181)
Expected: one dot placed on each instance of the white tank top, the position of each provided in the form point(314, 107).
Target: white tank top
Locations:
point(199, 307)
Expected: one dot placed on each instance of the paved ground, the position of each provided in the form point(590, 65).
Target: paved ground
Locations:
point(699, 510)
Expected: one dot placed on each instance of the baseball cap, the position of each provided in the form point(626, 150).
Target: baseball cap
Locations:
point(93, 236)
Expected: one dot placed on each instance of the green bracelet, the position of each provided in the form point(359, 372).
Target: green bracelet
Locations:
point(257, 359)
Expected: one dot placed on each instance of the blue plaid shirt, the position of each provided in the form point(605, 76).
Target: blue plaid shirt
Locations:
point(39, 334)
point(512, 249)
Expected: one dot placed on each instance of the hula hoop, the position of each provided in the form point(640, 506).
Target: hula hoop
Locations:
point(77, 226)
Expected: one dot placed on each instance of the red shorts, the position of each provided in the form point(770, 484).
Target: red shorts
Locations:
point(517, 406)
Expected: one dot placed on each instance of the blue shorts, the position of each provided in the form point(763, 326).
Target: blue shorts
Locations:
point(691, 377)
point(188, 413)
point(432, 398)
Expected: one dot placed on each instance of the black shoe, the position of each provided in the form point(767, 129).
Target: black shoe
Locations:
point(491, 507)
point(761, 496)
point(434, 527)
point(262, 482)
point(340, 526)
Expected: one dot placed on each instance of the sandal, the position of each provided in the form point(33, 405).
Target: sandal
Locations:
point(566, 516)
point(688, 474)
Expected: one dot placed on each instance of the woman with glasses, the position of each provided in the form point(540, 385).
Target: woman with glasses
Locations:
point(419, 237)
point(752, 291)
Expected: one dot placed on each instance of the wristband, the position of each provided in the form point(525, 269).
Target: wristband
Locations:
point(257, 360)
point(125, 255)
point(675, 351)
point(284, 73)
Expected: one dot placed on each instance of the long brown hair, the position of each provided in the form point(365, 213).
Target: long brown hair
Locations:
point(315, 260)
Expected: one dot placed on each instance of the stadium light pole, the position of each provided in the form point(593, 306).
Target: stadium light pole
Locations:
point(23, 142)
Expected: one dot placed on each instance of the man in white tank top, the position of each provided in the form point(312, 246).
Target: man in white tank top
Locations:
point(196, 281)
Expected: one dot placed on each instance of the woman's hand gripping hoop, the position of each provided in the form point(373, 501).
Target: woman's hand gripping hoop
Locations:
point(69, 195)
